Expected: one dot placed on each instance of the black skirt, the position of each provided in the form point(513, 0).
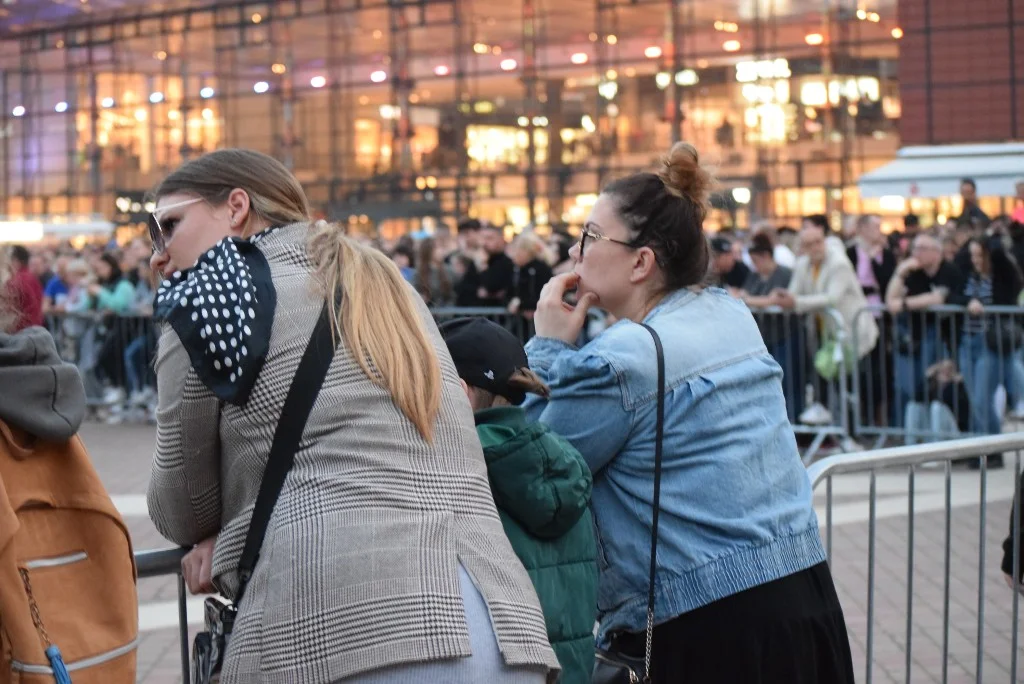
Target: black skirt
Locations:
point(788, 631)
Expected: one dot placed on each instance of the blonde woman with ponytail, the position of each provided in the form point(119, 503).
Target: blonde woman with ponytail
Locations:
point(384, 559)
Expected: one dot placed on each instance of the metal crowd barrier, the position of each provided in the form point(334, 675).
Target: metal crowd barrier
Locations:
point(818, 407)
point(115, 355)
point(908, 459)
point(168, 562)
point(934, 374)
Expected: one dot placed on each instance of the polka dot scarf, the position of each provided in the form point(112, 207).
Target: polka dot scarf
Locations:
point(223, 310)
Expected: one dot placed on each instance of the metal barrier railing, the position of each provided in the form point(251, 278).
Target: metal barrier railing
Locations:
point(817, 406)
point(158, 563)
point(168, 561)
point(934, 373)
point(910, 457)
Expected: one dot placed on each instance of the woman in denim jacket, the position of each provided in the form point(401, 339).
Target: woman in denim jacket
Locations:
point(743, 593)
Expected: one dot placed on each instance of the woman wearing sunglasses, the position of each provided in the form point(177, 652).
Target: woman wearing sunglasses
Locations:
point(384, 559)
point(742, 590)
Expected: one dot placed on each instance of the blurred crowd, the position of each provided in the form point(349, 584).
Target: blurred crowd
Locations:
point(914, 369)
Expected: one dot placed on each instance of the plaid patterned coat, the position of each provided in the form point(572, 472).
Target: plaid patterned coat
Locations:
point(359, 569)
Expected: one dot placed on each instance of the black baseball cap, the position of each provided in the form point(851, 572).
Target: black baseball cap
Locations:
point(721, 245)
point(485, 355)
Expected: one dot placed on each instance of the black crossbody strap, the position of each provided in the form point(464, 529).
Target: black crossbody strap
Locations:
point(659, 439)
point(302, 393)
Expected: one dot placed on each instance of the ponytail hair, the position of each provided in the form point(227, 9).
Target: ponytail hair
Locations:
point(379, 321)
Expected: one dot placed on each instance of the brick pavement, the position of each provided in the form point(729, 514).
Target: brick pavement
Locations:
point(122, 455)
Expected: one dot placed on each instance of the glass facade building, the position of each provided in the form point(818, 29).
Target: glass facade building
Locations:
point(391, 110)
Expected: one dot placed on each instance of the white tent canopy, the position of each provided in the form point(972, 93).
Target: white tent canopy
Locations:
point(936, 170)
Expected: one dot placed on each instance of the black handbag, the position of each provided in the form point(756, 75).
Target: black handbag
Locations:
point(209, 646)
point(612, 666)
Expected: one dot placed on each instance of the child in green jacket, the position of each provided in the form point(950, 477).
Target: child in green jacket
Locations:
point(541, 486)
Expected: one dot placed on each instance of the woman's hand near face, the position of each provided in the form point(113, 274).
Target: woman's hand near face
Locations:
point(557, 319)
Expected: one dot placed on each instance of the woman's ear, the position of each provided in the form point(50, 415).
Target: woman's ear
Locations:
point(645, 265)
point(239, 209)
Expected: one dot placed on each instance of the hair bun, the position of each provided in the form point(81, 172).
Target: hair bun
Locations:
point(683, 174)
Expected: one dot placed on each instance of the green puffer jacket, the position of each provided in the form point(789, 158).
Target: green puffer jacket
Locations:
point(542, 486)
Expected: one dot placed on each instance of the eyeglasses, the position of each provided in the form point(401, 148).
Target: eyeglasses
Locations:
point(160, 234)
point(587, 233)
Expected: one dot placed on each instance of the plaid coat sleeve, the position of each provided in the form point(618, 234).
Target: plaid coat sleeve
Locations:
point(184, 494)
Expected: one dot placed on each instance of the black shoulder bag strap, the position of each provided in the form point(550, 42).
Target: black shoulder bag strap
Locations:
point(659, 438)
point(302, 393)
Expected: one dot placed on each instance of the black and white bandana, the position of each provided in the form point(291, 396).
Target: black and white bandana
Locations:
point(223, 310)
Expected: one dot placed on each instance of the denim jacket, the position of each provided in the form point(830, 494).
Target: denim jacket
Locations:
point(736, 506)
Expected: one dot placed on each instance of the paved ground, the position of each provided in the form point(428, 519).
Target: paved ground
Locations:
point(122, 455)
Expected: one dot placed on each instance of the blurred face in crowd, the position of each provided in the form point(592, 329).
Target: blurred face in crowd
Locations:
point(493, 240)
point(102, 269)
point(969, 193)
point(469, 240)
point(764, 263)
point(723, 262)
point(949, 249)
point(37, 265)
point(927, 252)
point(870, 231)
point(979, 259)
point(812, 242)
point(191, 226)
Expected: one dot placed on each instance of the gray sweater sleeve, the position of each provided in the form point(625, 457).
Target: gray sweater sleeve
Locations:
point(184, 488)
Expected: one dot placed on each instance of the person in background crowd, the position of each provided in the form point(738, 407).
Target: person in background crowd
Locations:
point(1018, 202)
point(23, 289)
point(918, 283)
point(40, 265)
point(950, 248)
point(969, 195)
point(824, 278)
point(56, 291)
point(943, 408)
point(112, 291)
point(727, 271)
point(496, 269)
point(742, 590)
point(965, 231)
point(832, 240)
point(783, 255)
point(140, 352)
point(874, 264)
point(385, 560)
point(404, 258)
point(433, 281)
point(559, 246)
point(463, 263)
point(1015, 231)
point(531, 273)
point(788, 238)
point(781, 333)
point(541, 486)
point(986, 353)
point(112, 294)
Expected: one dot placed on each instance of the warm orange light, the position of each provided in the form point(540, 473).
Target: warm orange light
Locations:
point(652, 52)
point(814, 39)
point(731, 45)
point(897, 33)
